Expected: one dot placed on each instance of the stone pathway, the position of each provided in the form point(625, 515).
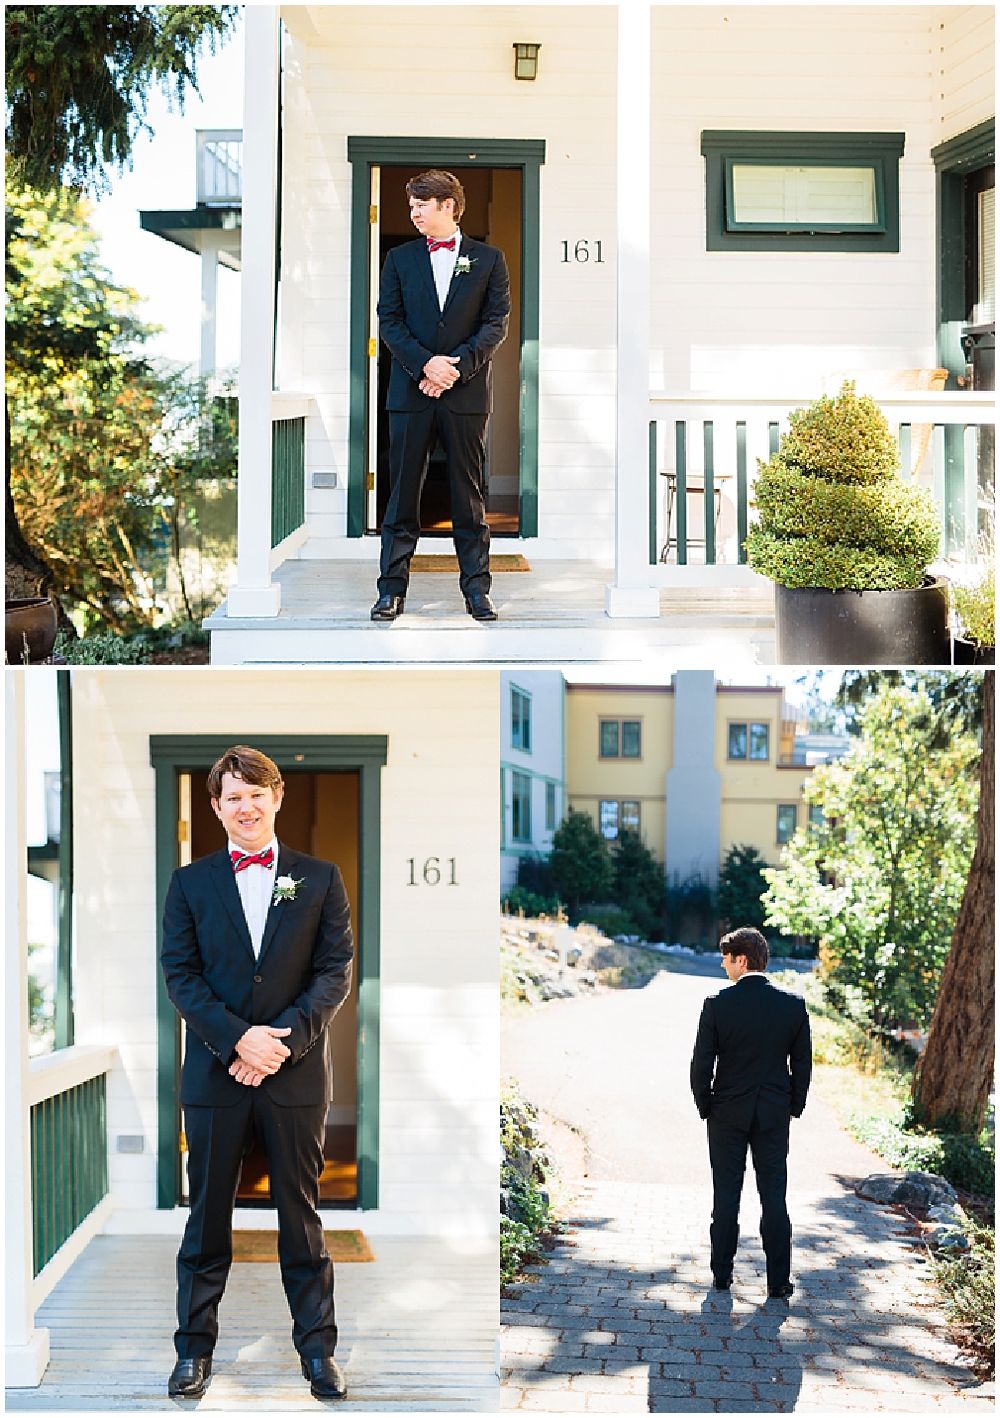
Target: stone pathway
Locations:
point(624, 1319)
point(621, 1319)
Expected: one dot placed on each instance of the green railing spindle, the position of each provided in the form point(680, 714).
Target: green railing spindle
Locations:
point(69, 1163)
point(288, 477)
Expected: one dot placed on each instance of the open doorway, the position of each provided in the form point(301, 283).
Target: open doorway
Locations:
point(320, 816)
point(494, 214)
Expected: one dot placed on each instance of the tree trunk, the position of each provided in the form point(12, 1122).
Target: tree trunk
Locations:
point(25, 573)
point(951, 1083)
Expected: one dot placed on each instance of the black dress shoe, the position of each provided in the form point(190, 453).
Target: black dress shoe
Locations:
point(189, 1377)
point(388, 607)
point(480, 607)
point(723, 1284)
point(780, 1292)
point(325, 1378)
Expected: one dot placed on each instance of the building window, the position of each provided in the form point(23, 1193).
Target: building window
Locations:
point(787, 818)
point(630, 817)
point(520, 798)
point(621, 738)
point(816, 817)
point(503, 809)
point(520, 720)
point(802, 191)
point(750, 741)
point(550, 807)
point(609, 820)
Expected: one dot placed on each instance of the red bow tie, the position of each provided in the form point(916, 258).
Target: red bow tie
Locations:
point(433, 245)
point(240, 860)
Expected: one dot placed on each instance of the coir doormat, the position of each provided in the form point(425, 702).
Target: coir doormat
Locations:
point(258, 1246)
point(507, 562)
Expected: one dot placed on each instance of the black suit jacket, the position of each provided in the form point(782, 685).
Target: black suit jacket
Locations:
point(472, 325)
point(752, 1051)
point(299, 981)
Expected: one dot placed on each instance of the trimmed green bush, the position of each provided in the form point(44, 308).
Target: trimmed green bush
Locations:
point(833, 514)
point(976, 607)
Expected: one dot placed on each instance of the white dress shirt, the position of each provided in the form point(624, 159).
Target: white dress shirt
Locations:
point(443, 267)
point(256, 887)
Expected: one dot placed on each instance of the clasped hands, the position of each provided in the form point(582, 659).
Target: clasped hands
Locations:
point(439, 375)
point(260, 1053)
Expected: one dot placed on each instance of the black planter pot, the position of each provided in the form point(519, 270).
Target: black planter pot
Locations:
point(820, 627)
point(967, 652)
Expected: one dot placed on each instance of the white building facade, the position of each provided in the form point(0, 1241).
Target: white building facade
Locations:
point(532, 765)
point(666, 192)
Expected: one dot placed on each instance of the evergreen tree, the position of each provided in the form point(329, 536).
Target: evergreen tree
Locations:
point(580, 862)
point(741, 886)
point(638, 883)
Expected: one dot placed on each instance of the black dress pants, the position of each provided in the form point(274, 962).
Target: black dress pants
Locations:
point(412, 438)
point(727, 1150)
point(292, 1140)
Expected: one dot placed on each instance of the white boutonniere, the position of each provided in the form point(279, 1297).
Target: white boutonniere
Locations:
point(285, 888)
point(464, 265)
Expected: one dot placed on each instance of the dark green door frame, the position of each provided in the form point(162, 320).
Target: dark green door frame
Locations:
point(954, 160)
point(526, 154)
point(365, 754)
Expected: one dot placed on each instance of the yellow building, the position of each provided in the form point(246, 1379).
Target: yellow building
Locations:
point(694, 766)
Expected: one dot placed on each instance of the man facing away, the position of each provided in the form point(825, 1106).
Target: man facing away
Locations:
point(257, 952)
point(443, 309)
point(750, 1075)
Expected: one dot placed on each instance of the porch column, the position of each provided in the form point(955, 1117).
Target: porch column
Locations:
point(632, 594)
point(209, 301)
point(27, 1347)
point(253, 594)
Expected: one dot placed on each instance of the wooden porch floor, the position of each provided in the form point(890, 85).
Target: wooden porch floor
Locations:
point(552, 613)
point(418, 1333)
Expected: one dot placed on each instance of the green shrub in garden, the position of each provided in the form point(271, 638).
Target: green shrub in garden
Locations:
point(833, 512)
point(968, 1279)
point(526, 1213)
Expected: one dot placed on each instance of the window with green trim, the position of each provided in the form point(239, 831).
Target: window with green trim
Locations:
point(621, 738)
point(520, 719)
point(520, 824)
point(773, 191)
point(550, 807)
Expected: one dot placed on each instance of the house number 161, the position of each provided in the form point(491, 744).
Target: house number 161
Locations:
point(431, 872)
point(580, 252)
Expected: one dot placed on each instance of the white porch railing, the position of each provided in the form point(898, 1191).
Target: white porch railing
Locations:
point(703, 453)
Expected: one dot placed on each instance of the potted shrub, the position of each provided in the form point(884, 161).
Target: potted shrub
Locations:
point(848, 543)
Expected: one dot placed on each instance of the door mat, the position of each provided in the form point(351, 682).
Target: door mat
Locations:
point(507, 562)
point(262, 1246)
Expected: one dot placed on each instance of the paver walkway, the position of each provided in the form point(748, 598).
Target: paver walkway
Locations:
point(417, 1333)
point(624, 1319)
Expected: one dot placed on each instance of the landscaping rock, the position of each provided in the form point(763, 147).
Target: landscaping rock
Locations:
point(912, 1189)
point(948, 1233)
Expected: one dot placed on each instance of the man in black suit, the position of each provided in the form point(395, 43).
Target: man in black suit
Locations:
point(443, 309)
point(257, 952)
point(750, 1075)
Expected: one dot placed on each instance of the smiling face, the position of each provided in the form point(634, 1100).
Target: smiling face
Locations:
point(432, 217)
point(247, 812)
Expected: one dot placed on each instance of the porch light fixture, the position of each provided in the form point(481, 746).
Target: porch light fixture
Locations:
point(526, 61)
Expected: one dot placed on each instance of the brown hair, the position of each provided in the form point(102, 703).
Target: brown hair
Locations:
point(436, 183)
point(248, 764)
point(749, 942)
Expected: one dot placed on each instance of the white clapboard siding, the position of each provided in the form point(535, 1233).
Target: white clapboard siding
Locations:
point(720, 321)
point(439, 968)
point(965, 82)
point(417, 1333)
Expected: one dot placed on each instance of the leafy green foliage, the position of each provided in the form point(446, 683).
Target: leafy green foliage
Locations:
point(690, 910)
point(106, 451)
point(580, 862)
point(79, 79)
point(832, 512)
point(964, 1161)
point(638, 884)
point(741, 886)
point(526, 1213)
point(976, 606)
point(968, 1280)
point(881, 880)
point(519, 899)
